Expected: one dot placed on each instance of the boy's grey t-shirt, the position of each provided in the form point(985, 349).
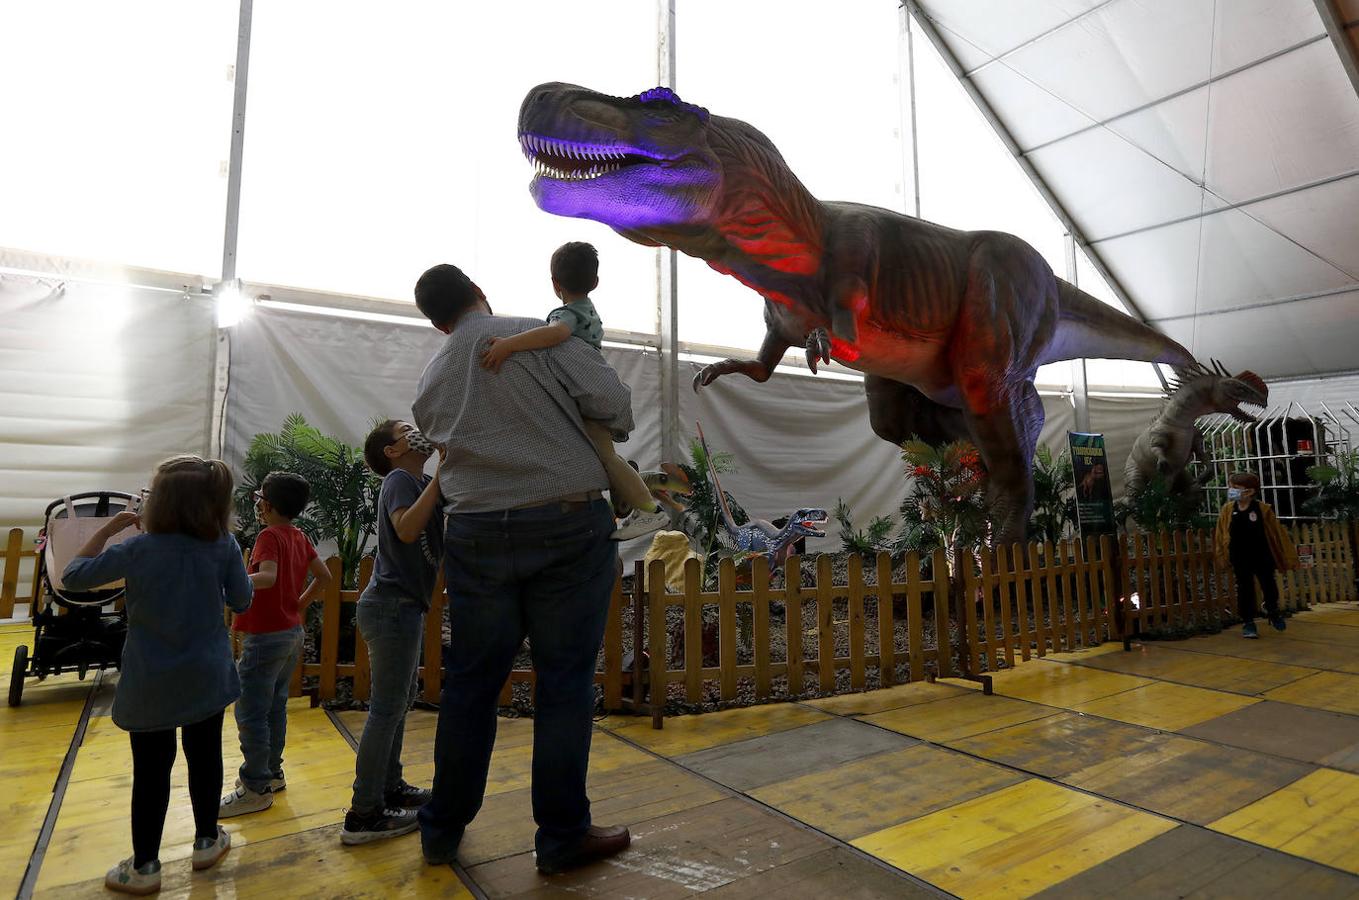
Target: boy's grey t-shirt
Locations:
point(408, 570)
point(583, 320)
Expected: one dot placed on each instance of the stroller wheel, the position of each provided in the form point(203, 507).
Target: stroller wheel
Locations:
point(16, 677)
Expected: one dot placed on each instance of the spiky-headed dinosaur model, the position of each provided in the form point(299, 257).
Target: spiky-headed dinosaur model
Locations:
point(948, 326)
point(759, 535)
point(1167, 445)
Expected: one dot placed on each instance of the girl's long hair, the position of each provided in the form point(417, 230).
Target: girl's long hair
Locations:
point(189, 495)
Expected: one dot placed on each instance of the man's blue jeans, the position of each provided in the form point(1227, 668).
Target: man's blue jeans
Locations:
point(392, 626)
point(266, 669)
point(545, 573)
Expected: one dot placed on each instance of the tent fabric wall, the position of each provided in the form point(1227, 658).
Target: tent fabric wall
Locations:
point(795, 440)
point(98, 383)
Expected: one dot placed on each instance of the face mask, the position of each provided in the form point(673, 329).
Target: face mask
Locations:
point(1233, 494)
point(420, 444)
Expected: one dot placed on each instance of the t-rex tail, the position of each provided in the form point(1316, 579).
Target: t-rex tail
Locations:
point(1088, 328)
point(728, 520)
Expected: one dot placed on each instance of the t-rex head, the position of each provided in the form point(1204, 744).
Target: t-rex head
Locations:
point(629, 162)
point(804, 522)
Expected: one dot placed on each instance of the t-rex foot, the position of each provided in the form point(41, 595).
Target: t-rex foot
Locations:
point(818, 347)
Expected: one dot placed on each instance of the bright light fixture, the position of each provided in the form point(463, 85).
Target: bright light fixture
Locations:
point(232, 304)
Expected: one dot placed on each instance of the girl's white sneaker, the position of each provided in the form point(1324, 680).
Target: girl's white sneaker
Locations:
point(207, 852)
point(129, 879)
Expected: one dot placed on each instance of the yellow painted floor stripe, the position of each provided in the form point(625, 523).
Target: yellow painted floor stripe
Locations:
point(1168, 707)
point(1335, 691)
point(1013, 842)
point(1315, 817)
point(687, 734)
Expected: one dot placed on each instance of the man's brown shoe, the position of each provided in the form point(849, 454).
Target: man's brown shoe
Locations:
point(599, 842)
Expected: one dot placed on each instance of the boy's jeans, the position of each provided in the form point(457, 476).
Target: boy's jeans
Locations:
point(266, 669)
point(392, 626)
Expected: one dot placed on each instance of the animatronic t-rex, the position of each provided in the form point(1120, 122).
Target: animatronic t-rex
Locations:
point(1173, 437)
point(948, 326)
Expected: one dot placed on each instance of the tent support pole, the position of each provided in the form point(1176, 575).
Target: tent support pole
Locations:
point(667, 268)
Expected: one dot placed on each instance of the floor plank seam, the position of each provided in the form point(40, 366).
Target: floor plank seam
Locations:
point(1058, 783)
point(30, 880)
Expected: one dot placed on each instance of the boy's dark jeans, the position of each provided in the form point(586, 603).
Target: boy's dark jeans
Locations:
point(546, 573)
point(266, 669)
point(1246, 572)
point(392, 627)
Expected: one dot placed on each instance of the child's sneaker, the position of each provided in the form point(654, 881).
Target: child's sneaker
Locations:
point(1278, 622)
point(276, 784)
point(207, 851)
point(129, 879)
point(408, 796)
point(1248, 630)
point(640, 522)
point(242, 801)
point(360, 829)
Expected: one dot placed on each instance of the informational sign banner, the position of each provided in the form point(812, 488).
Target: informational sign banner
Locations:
point(1094, 492)
point(1306, 556)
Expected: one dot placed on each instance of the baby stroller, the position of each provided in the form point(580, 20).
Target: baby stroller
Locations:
point(74, 631)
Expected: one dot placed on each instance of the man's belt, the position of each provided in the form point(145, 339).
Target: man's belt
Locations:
point(568, 503)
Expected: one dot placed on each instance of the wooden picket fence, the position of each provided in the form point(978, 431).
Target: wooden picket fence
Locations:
point(1172, 581)
point(338, 608)
point(16, 551)
point(1038, 597)
point(782, 634)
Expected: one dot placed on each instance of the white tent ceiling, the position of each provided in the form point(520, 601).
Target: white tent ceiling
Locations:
point(1206, 152)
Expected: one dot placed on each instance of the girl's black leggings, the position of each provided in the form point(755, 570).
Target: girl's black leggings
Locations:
point(153, 756)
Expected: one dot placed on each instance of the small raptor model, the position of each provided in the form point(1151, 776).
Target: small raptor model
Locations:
point(1167, 445)
point(948, 326)
point(759, 535)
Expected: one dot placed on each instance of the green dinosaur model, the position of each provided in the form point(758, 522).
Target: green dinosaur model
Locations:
point(1167, 445)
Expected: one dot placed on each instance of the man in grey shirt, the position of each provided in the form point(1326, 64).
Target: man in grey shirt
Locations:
point(526, 553)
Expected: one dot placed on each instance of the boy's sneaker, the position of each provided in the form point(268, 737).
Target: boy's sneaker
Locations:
point(1248, 630)
point(360, 829)
point(243, 801)
point(276, 784)
point(408, 796)
point(207, 851)
point(1278, 622)
point(640, 522)
point(129, 879)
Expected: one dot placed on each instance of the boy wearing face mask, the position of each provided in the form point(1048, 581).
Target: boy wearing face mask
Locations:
point(391, 619)
point(1250, 539)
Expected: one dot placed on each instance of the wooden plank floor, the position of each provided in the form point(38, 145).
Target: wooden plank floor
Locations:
point(1205, 767)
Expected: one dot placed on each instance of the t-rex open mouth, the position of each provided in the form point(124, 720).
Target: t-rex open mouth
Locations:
point(577, 161)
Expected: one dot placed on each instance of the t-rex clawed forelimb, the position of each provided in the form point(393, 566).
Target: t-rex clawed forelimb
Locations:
point(1173, 438)
point(959, 320)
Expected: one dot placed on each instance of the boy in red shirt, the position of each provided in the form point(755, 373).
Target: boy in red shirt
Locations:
point(272, 642)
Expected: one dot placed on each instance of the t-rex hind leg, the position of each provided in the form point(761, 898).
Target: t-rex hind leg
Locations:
point(899, 412)
point(1006, 437)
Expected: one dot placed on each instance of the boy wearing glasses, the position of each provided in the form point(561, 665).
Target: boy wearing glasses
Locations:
point(391, 619)
point(272, 628)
